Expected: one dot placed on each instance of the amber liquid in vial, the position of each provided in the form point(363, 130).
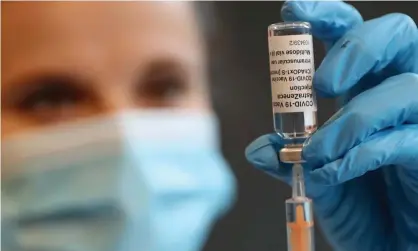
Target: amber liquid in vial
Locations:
point(299, 124)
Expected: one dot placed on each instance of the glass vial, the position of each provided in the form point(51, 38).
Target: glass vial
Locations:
point(291, 73)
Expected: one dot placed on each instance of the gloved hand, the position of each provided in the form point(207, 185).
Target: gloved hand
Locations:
point(362, 164)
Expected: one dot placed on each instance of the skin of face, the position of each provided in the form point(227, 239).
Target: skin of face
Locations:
point(62, 61)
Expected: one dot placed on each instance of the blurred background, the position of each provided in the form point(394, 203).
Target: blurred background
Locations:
point(241, 91)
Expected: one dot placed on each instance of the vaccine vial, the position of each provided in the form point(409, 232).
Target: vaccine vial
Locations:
point(291, 73)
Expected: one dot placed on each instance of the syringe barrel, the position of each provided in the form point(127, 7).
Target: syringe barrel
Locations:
point(300, 224)
point(291, 73)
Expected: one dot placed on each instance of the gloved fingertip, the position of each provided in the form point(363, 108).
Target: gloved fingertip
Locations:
point(307, 149)
point(328, 174)
point(330, 20)
point(293, 11)
point(262, 153)
point(254, 146)
point(310, 151)
point(287, 11)
point(319, 178)
point(323, 94)
point(324, 87)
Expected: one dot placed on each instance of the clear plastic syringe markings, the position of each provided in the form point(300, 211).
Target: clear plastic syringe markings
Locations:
point(300, 232)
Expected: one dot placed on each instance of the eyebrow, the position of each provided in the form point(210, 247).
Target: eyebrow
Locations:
point(164, 65)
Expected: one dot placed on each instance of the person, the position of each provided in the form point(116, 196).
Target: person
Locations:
point(108, 135)
point(109, 141)
point(362, 164)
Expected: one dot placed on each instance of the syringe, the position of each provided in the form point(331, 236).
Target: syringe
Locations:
point(299, 218)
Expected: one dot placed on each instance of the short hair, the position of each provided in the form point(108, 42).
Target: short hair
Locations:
point(207, 20)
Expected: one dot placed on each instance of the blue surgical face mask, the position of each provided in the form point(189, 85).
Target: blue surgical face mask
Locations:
point(140, 181)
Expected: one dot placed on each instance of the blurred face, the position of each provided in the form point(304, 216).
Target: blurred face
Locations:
point(67, 60)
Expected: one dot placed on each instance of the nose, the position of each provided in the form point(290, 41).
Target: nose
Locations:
point(115, 99)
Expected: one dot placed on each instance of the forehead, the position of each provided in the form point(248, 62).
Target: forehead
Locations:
point(48, 34)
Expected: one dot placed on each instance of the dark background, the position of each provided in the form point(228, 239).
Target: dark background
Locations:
point(241, 90)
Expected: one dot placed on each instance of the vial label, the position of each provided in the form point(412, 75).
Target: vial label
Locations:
point(291, 73)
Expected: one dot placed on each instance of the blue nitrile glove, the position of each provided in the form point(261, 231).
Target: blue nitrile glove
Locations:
point(362, 169)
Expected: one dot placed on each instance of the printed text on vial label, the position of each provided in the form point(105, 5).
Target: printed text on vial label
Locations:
point(291, 73)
